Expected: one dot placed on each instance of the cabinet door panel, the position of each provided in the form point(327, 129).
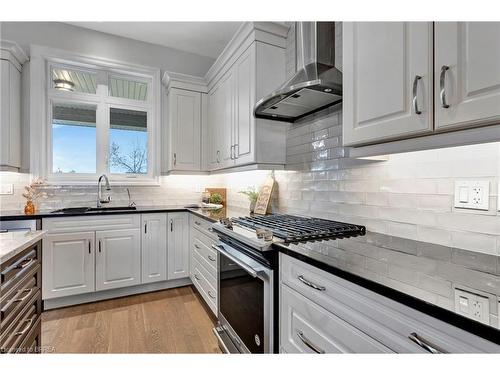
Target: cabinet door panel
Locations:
point(185, 129)
point(154, 248)
point(471, 50)
point(178, 245)
point(68, 264)
point(382, 61)
point(244, 126)
point(118, 260)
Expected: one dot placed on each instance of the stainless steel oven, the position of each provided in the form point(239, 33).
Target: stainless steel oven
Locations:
point(246, 301)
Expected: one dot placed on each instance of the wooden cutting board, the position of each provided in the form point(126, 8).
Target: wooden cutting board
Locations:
point(265, 194)
point(221, 191)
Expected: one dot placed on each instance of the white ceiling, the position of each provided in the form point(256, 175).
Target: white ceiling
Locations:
point(202, 38)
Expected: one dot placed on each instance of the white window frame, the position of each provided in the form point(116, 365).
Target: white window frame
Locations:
point(42, 95)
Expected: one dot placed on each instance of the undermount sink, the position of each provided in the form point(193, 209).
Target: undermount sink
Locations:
point(82, 210)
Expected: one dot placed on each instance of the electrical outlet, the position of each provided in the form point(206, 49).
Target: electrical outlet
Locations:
point(473, 306)
point(6, 189)
point(472, 194)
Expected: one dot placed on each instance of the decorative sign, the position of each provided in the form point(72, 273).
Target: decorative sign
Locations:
point(265, 194)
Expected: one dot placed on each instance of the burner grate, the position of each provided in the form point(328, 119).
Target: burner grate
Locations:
point(292, 228)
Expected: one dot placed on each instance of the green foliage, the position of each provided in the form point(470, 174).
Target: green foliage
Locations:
point(251, 194)
point(216, 198)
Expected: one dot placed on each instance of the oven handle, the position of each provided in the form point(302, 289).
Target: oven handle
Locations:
point(246, 267)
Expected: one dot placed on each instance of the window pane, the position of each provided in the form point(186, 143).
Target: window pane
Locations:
point(128, 139)
point(128, 89)
point(74, 80)
point(73, 138)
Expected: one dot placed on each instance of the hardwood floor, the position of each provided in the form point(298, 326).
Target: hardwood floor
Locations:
point(169, 321)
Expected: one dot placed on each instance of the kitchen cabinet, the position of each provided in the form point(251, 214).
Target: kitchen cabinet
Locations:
point(118, 258)
point(68, 264)
point(184, 123)
point(467, 74)
point(387, 80)
point(236, 137)
point(178, 245)
point(11, 60)
point(154, 247)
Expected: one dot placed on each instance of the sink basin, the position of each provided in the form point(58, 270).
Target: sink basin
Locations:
point(83, 210)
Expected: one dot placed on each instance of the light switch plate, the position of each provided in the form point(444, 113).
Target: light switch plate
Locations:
point(472, 194)
point(6, 189)
point(472, 306)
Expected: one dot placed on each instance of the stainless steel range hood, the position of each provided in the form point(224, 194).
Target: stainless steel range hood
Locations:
point(317, 83)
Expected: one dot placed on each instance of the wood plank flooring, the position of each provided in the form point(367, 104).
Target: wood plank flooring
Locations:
point(169, 321)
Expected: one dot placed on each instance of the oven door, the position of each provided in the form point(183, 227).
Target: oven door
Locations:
point(245, 301)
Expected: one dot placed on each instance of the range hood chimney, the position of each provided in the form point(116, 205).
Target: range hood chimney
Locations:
point(317, 83)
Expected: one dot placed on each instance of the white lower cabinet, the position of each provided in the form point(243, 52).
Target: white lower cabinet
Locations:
point(178, 245)
point(308, 328)
point(154, 247)
point(68, 264)
point(118, 258)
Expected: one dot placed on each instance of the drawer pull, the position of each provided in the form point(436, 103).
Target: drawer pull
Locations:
point(25, 329)
point(198, 247)
point(210, 229)
point(197, 223)
point(28, 293)
point(309, 344)
point(310, 284)
point(420, 341)
point(26, 263)
point(211, 258)
point(210, 294)
point(196, 277)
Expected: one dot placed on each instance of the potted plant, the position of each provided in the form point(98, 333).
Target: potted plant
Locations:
point(252, 196)
point(32, 193)
point(216, 198)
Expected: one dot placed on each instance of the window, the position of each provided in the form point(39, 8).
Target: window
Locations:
point(100, 121)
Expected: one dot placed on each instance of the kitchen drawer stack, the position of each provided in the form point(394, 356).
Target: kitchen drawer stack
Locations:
point(322, 313)
point(21, 302)
point(204, 261)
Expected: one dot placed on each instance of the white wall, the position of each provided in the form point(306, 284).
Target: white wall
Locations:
point(94, 43)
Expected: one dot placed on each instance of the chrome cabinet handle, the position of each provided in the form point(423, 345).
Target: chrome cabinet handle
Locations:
point(310, 284)
point(197, 223)
point(171, 225)
point(175, 158)
point(442, 90)
point(28, 293)
point(210, 229)
point(25, 329)
point(231, 151)
point(309, 344)
point(218, 157)
point(90, 247)
point(415, 94)
point(145, 228)
point(236, 153)
point(99, 245)
point(211, 258)
point(26, 263)
point(195, 245)
point(210, 294)
point(423, 343)
point(196, 277)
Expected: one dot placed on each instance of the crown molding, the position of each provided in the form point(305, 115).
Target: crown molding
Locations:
point(13, 52)
point(184, 81)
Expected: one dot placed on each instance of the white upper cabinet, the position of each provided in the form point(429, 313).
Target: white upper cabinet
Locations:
point(11, 60)
point(184, 121)
point(118, 258)
point(68, 264)
point(154, 247)
point(467, 74)
point(178, 245)
point(387, 80)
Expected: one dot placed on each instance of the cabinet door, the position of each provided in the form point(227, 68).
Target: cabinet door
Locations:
point(467, 74)
point(382, 65)
point(154, 248)
point(244, 125)
point(185, 129)
point(10, 115)
point(178, 245)
point(118, 258)
point(68, 264)
point(308, 328)
point(224, 119)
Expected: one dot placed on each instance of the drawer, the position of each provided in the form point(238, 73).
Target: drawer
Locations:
point(18, 296)
point(17, 332)
point(309, 328)
point(206, 285)
point(12, 271)
point(32, 344)
point(91, 223)
point(204, 226)
point(386, 320)
point(205, 255)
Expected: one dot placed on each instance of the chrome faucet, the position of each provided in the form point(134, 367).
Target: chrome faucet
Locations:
point(99, 191)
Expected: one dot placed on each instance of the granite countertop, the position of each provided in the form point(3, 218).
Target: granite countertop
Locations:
point(12, 243)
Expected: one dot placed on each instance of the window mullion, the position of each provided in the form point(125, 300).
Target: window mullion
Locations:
point(102, 125)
